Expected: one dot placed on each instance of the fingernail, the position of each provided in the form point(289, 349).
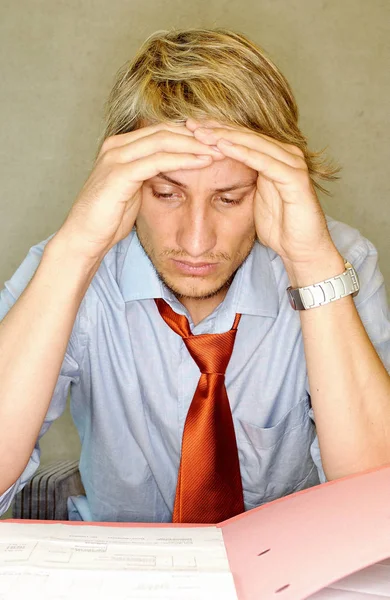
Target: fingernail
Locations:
point(204, 157)
point(226, 142)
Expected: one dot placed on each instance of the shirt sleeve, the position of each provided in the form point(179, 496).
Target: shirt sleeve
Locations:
point(371, 304)
point(70, 370)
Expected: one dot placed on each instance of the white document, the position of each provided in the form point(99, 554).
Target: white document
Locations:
point(372, 583)
point(60, 561)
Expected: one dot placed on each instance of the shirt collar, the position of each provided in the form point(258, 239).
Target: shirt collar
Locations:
point(253, 290)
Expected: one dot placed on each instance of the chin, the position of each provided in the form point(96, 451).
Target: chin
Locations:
point(195, 287)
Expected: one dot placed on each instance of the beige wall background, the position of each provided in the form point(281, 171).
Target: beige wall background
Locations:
point(57, 63)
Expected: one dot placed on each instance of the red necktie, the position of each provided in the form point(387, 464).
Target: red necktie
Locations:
point(209, 487)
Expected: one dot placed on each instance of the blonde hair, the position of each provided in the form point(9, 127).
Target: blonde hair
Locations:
point(209, 74)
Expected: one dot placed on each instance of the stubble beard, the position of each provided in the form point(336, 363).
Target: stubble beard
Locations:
point(196, 293)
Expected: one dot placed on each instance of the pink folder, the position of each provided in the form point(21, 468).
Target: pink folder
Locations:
point(292, 547)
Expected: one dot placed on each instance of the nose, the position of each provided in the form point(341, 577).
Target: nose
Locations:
point(197, 234)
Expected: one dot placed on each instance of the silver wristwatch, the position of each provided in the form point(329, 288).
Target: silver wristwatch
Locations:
point(326, 291)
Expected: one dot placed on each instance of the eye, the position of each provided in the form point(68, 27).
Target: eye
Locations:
point(166, 196)
point(229, 201)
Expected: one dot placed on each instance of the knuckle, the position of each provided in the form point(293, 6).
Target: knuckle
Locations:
point(296, 150)
point(303, 165)
point(303, 174)
point(107, 144)
point(111, 156)
point(114, 173)
point(300, 163)
point(248, 153)
point(106, 158)
point(163, 136)
point(160, 155)
point(159, 126)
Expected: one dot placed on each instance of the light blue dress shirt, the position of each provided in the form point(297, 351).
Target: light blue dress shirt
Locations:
point(132, 379)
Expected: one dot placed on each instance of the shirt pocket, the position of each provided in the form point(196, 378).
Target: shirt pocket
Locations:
point(276, 460)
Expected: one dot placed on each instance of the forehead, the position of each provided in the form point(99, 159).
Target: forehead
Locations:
point(219, 174)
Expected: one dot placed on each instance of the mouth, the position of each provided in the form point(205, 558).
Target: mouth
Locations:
point(192, 268)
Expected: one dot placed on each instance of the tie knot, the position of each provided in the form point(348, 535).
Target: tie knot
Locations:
point(210, 351)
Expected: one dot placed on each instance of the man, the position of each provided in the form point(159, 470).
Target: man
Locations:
point(198, 215)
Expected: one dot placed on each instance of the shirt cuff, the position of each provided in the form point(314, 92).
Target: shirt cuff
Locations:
point(8, 496)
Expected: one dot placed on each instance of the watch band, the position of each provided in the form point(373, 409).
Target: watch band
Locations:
point(329, 290)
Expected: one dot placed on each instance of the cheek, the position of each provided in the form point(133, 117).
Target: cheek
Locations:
point(240, 230)
point(248, 220)
point(154, 221)
point(149, 214)
point(241, 221)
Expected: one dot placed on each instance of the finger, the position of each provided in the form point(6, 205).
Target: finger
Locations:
point(147, 167)
point(122, 139)
point(270, 167)
point(263, 143)
point(289, 147)
point(251, 140)
point(193, 124)
point(161, 141)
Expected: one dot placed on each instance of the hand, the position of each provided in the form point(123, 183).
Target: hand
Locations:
point(288, 216)
point(107, 207)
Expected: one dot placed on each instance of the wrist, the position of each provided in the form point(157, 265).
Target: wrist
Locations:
point(69, 261)
point(69, 249)
point(318, 268)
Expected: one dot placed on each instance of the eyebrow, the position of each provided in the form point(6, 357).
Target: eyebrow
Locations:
point(236, 186)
